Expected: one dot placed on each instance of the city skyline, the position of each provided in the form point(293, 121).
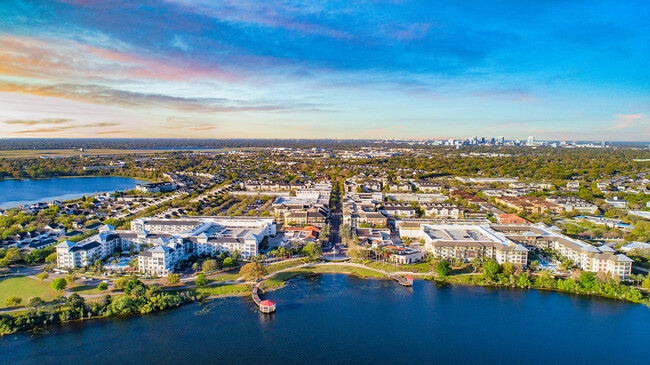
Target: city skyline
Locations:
point(288, 69)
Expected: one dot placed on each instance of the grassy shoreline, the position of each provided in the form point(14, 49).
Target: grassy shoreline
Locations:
point(277, 280)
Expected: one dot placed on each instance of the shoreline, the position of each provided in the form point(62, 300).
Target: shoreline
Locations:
point(312, 269)
point(65, 197)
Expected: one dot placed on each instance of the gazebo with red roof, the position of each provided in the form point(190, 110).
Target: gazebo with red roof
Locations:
point(267, 306)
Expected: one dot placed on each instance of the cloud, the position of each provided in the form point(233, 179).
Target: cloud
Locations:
point(627, 121)
point(55, 125)
point(108, 96)
point(31, 122)
point(61, 59)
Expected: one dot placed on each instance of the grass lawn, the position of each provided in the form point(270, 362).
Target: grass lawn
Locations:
point(279, 279)
point(346, 270)
point(225, 277)
point(87, 290)
point(283, 265)
point(421, 267)
point(224, 289)
point(25, 288)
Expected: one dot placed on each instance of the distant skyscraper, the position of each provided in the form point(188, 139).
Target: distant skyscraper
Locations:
point(500, 139)
point(603, 144)
point(531, 141)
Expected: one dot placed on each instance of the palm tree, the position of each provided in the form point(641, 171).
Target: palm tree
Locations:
point(282, 252)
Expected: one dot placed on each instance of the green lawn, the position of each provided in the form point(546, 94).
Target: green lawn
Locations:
point(225, 277)
point(346, 270)
point(283, 265)
point(421, 267)
point(280, 278)
point(224, 289)
point(87, 290)
point(25, 288)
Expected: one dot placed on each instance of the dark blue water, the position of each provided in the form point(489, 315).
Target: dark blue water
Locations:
point(20, 192)
point(345, 320)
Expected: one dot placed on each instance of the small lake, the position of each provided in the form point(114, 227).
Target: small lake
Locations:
point(20, 192)
point(326, 319)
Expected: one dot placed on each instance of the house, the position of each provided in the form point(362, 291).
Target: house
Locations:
point(398, 210)
point(616, 203)
point(403, 255)
point(159, 187)
point(570, 203)
point(573, 185)
point(448, 211)
point(529, 204)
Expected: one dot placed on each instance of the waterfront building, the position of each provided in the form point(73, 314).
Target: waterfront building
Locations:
point(508, 242)
point(168, 241)
point(585, 256)
point(466, 242)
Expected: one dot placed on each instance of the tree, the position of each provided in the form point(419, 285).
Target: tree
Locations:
point(135, 288)
point(229, 262)
point(508, 269)
point(173, 279)
point(201, 280)
point(13, 254)
point(476, 263)
point(42, 276)
point(70, 278)
point(252, 271)
point(13, 300)
point(102, 286)
point(312, 251)
point(58, 284)
point(443, 268)
point(51, 258)
point(121, 283)
point(534, 265)
point(195, 266)
point(36, 302)
point(345, 231)
point(75, 301)
point(491, 269)
point(357, 253)
point(646, 282)
point(209, 265)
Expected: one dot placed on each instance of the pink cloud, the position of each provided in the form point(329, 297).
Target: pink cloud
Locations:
point(626, 121)
point(56, 59)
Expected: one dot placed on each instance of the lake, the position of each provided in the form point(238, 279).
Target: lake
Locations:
point(346, 320)
point(21, 192)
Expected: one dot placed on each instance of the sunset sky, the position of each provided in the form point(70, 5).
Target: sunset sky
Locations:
point(562, 70)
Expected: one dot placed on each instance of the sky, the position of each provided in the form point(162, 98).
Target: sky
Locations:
point(557, 70)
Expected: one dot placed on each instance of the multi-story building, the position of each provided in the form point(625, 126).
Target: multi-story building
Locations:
point(585, 256)
point(169, 241)
point(570, 203)
point(71, 255)
point(467, 242)
point(529, 204)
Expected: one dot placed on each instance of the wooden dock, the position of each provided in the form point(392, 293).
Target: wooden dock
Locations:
point(403, 281)
point(255, 295)
point(266, 306)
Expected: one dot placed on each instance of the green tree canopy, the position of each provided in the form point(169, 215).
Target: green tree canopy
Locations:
point(58, 284)
point(443, 268)
point(491, 269)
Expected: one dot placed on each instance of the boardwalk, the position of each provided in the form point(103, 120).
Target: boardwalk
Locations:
point(255, 295)
point(402, 280)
